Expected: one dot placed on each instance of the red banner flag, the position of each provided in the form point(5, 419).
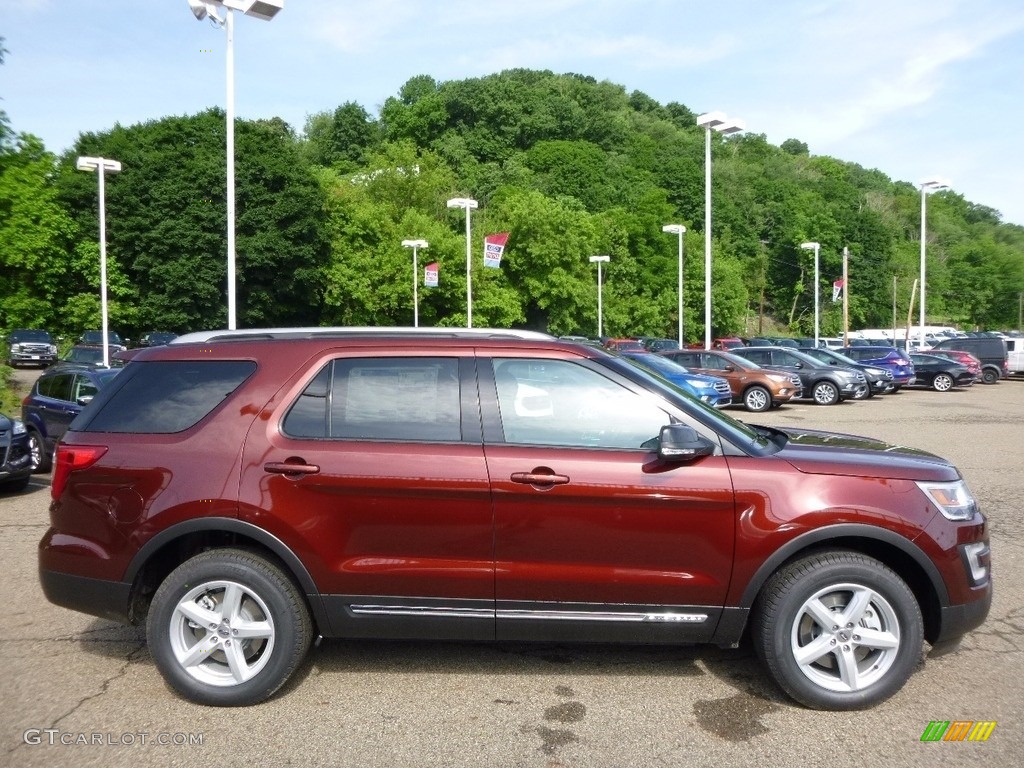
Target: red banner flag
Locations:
point(430, 275)
point(837, 290)
point(494, 246)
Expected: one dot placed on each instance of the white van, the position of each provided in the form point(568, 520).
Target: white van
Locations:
point(1015, 353)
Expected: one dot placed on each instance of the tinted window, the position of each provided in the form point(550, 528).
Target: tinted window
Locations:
point(58, 387)
point(759, 356)
point(555, 402)
point(167, 397)
point(380, 399)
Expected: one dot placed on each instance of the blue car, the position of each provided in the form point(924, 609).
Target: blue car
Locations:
point(56, 398)
point(896, 360)
point(713, 390)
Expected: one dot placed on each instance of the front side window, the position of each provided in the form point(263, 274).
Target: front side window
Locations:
point(560, 403)
point(380, 399)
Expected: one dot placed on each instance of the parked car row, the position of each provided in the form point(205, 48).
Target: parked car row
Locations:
point(824, 374)
point(38, 347)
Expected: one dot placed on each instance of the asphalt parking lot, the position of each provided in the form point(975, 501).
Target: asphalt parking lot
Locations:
point(81, 691)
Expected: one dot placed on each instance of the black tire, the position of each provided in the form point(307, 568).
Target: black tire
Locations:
point(989, 375)
point(825, 392)
point(42, 461)
point(857, 662)
point(192, 651)
point(943, 382)
point(757, 399)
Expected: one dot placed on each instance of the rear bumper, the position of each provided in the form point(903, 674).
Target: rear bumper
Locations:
point(96, 597)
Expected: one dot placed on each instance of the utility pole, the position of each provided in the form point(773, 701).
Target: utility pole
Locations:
point(846, 296)
point(910, 313)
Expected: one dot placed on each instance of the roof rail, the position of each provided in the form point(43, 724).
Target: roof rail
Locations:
point(249, 334)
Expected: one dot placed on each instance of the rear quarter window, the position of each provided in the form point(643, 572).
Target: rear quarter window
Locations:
point(165, 397)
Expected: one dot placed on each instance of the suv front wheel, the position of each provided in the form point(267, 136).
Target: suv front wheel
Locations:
point(838, 630)
point(228, 628)
point(825, 393)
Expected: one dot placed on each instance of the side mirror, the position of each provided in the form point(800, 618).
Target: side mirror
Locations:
point(729, 368)
point(679, 442)
point(85, 400)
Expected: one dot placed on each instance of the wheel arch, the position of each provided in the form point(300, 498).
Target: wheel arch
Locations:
point(173, 546)
point(900, 554)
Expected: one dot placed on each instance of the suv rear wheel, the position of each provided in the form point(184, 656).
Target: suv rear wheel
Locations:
point(838, 630)
point(41, 460)
point(228, 628)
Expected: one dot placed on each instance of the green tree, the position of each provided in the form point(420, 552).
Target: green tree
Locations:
point(36, 238)
point(166, 219)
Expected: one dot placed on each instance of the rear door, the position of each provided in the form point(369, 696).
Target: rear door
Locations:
point(54, 405)
point(595, 537)
point(375, 464)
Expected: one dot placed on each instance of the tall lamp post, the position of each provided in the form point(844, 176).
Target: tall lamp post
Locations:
point(678, 229)
point(415, 245)
point(933, 184)
point(102, 166)
point(817, 288)
point(259, 9)
point(599, 260)
point(711, 121)
point(469, 204)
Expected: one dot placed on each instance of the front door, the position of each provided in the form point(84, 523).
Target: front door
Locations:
point(595, 536)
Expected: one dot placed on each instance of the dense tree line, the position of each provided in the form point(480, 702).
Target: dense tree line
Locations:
point(569, 166)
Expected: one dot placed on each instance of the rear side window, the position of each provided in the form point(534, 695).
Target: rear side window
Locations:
point(380, 399)
point(168, 396)
point(57, 387)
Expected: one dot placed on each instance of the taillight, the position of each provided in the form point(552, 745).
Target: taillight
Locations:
point(71, 458)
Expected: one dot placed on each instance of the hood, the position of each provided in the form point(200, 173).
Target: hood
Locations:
point(833, 453)
point(700, 378)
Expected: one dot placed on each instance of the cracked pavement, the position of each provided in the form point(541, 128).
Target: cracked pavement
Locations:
point(362, 703)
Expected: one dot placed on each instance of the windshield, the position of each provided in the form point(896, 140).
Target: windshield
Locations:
point(42, 336)
point(739, 434)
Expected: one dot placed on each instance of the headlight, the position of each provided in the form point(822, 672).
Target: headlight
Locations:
point(954, 500)
point(876, 371)
point(19, 426)
point(779, 378)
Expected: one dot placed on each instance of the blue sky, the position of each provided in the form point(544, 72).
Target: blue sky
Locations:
point(914, 88)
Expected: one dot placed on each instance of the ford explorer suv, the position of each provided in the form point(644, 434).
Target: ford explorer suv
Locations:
point(241, 493)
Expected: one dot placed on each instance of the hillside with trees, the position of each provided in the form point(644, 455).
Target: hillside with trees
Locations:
point(568, 165)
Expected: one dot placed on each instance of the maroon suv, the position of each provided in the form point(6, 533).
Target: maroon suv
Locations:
point(243, 492)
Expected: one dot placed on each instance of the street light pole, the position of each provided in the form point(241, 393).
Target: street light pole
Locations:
point(933, 184)
point(102, 166)
point(710, 121)
point(817, 287)
point(260, 9)
point(469, 204)
point(415, 245)
point(599, 260)
point(678, 229)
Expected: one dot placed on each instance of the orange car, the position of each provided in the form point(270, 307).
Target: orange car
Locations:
point(757, 388)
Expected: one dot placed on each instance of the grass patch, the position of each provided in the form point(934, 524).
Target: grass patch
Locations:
point(10, 401)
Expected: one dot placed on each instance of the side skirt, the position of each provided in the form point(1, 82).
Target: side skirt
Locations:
point(445, 619)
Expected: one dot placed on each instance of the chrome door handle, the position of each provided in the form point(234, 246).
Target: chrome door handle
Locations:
point(288, 468)
point(539, 478)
